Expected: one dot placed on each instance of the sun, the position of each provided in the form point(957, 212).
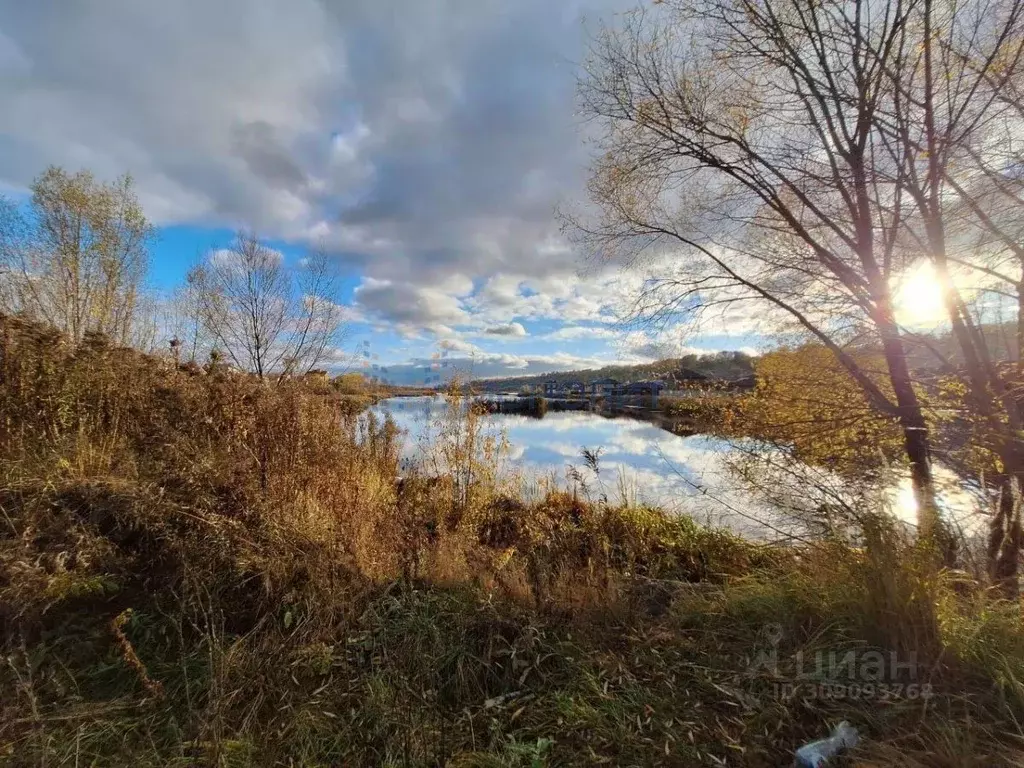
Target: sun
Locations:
point(919, 298)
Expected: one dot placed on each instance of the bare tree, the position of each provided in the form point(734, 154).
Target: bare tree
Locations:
point(806, 156)
point(266, 317)
point(741, 153)
point(953, 116)
point(183, 323)
point(78, 259)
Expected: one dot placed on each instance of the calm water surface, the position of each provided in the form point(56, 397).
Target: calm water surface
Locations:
point(684, 474)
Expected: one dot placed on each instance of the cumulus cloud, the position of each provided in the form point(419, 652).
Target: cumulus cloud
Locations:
point(577, 332)
point(459, 346)
point(231, 258)
point(208, 105)
point(510, 329)
point(483, 365)
point(409, 307)
point(425, 145)
point(415, 139)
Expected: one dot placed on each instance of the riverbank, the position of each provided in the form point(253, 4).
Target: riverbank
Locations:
point(198, 569)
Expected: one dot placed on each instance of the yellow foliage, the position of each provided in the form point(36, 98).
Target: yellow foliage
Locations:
point(806, 399)
point(350, 384)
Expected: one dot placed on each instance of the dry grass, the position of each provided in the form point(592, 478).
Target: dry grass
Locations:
point(199, 569)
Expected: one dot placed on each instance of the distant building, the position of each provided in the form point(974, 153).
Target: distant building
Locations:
point(571, 388)
point(553, 388)
point(606, 387)
point(645, 388)
point(317, 377)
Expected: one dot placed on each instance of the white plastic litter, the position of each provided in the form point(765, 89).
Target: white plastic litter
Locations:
point(817, 753)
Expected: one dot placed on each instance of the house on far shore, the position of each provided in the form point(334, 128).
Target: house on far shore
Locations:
point(606, 386)
point(567, 389)
point(573, 388)
point(645, 388)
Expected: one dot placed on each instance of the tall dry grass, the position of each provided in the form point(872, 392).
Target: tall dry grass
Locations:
point(198, 568)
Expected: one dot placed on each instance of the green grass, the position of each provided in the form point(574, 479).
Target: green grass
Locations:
point(428, 676)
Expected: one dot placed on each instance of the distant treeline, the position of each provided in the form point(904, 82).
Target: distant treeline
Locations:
point(928, 352)
point(717, 366)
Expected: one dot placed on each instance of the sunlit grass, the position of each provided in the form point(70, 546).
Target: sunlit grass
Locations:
point(197, 568)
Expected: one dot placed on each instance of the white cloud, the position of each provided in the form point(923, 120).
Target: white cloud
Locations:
point(227, 257)
point(205, 105)
point(459, 346)
point(501, 291)
point(409, 307)
point(414, 147)
point(427, 156)
point(577, 332)
point(471, 362)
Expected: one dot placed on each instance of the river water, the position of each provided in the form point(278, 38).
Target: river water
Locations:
point(638, 460)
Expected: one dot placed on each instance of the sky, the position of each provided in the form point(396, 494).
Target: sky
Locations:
point(425, 144)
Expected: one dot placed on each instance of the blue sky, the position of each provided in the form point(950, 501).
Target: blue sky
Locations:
point(425, 145)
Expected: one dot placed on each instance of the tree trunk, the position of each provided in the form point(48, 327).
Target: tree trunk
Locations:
point(1000, 413)
point(917, 443)
point(1019, 352)
point(1005, 533)
point(1005, 540)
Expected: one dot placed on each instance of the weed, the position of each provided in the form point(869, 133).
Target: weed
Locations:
point(197, 568)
